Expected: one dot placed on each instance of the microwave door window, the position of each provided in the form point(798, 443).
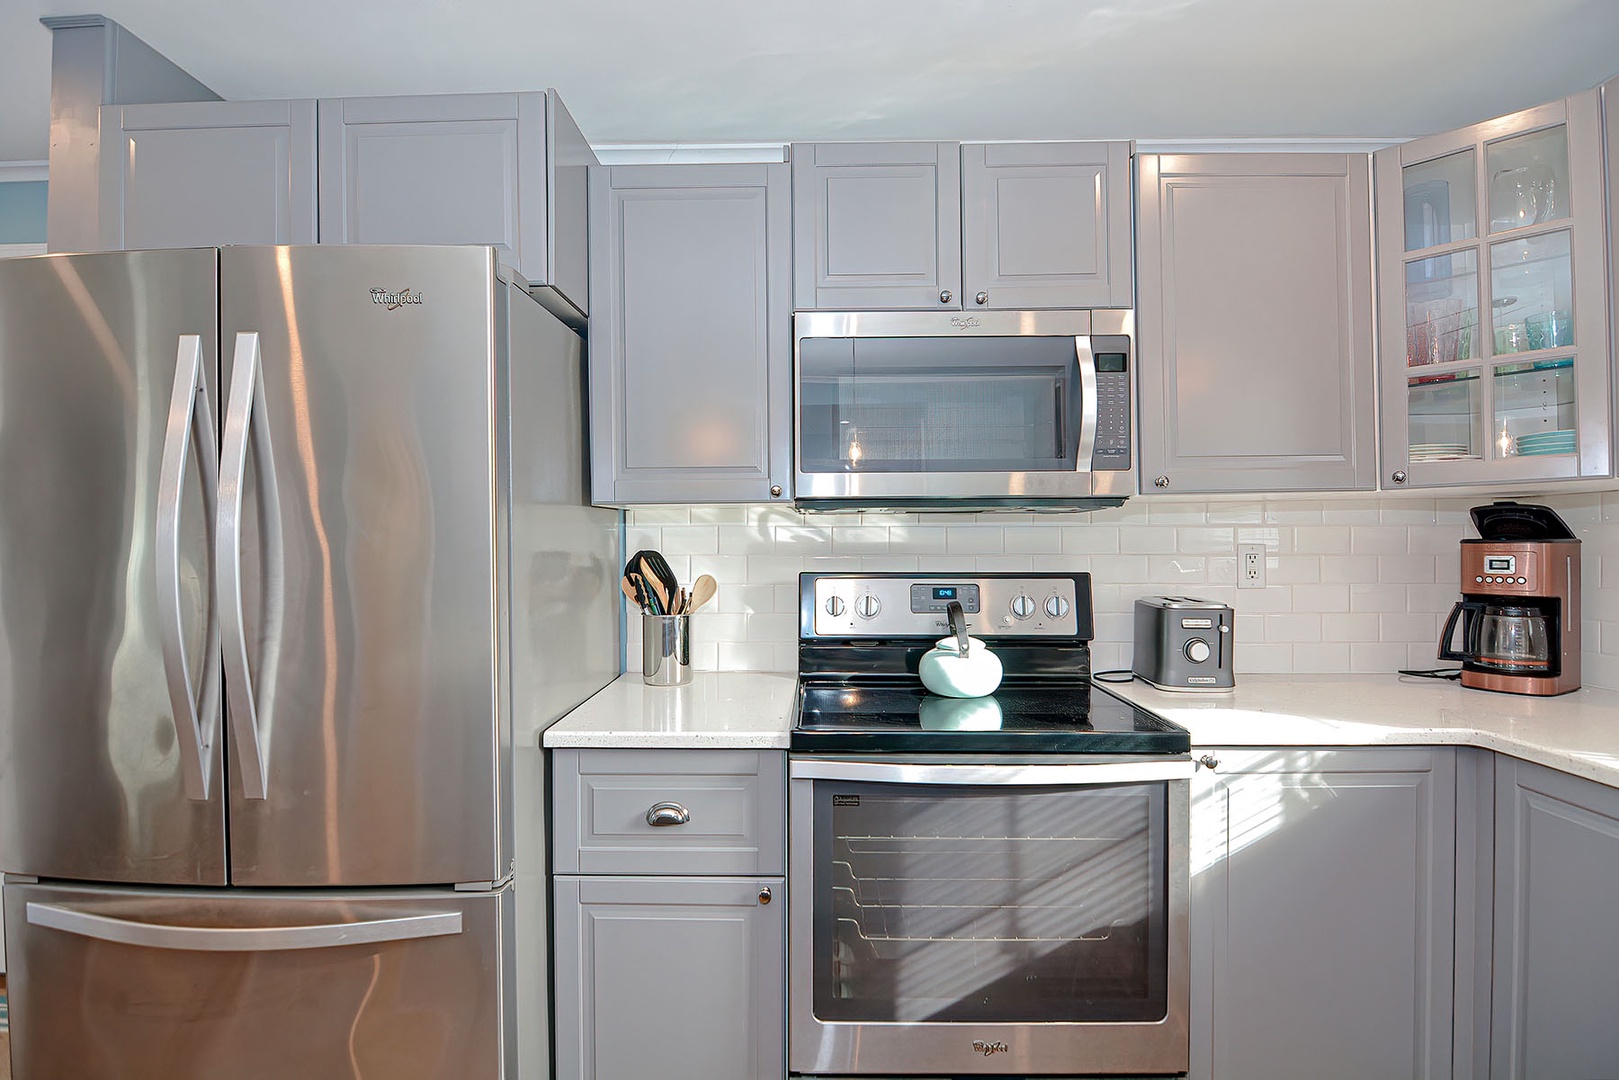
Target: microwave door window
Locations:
point(909, 405)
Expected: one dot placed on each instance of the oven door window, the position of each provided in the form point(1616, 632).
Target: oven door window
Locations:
point(908, 405)
point(990, 904)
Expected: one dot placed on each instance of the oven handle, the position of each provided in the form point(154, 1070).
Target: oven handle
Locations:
point(888, 772)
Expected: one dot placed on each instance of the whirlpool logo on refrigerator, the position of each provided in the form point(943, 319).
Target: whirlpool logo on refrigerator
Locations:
point(393, 301)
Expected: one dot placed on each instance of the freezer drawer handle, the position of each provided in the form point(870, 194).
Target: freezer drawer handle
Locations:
point(196, 719)
point(242, 939)
point(249, 712)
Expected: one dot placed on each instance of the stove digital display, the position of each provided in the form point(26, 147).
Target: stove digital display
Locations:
point(947, 592)
point(937, 598)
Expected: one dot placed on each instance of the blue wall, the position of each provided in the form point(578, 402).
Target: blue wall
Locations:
point(22, 212)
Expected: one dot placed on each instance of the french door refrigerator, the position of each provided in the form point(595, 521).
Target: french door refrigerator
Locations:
point(295, 560)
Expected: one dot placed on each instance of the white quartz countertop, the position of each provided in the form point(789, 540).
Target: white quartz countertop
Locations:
point(1577, 733)
point(716, 710)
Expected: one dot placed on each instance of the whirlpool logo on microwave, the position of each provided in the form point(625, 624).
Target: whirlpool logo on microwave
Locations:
point(964, 323)
point(393, 301)
point(988, 1048)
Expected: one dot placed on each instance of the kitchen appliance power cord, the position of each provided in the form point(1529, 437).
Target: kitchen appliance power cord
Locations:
point(1448, 674)
point(1102, 676)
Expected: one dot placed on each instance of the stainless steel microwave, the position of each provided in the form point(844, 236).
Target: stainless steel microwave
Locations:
point(951, 410)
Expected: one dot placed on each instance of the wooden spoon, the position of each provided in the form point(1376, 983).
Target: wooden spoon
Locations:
point(702, 591)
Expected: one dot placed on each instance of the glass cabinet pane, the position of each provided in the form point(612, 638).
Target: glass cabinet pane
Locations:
point(1439, 201)
point(1528, 179)
point(1532, 294)
point(1534, 408)
point(1445, 417)
point(1441, 308)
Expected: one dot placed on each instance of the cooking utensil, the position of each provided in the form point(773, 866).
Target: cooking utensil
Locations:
point(660, 579)
point(702, 591)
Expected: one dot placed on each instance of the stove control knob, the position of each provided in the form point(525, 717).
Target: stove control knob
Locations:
point(835, 606)
point(1197, 650)
point(1022, 606)
point(867, 606)
point(1056, 607)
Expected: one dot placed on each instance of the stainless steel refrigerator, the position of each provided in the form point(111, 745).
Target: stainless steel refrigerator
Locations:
point(296, 559)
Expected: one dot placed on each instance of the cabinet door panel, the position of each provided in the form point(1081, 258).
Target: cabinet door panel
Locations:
point(1046, 225)
point(1556, 953)
point(690, 361)
point(679, 978)
point(200, 174)
point(457, 169)
point(876, 225)
point(1255, 322)
point(1322, 914)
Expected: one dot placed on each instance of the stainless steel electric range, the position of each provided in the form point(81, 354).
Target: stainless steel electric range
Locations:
point(990, 886)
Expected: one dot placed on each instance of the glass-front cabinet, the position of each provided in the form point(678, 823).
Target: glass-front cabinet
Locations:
point(1494, 301)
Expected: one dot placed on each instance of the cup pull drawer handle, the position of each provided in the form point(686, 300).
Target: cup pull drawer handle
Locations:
point(667, 813)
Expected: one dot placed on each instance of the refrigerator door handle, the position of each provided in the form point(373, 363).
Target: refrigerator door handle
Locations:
point(241, 939)
point(246, 707)
point(196, 719)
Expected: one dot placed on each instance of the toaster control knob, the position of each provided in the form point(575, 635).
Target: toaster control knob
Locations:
point(1056, 607)
point(867, 606)
point(835, 606)
point(1022, 606)
point(1197, 650)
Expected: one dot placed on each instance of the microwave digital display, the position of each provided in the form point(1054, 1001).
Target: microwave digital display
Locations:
point(1112, 361)
point(1500, 564)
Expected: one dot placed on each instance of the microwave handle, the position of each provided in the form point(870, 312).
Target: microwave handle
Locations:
point(1085, 360)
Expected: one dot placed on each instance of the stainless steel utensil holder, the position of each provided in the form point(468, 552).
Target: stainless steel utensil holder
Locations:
point(666, 650)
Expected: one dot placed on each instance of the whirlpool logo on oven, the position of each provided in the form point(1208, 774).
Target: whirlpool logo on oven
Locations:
point(988, 1048)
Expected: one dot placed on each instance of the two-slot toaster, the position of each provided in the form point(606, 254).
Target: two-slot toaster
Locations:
point(1183, 643)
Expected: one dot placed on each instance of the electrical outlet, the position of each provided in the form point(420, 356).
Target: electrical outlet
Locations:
point(1250, 566)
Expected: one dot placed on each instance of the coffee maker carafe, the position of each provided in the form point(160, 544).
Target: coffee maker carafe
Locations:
point(1519, 615)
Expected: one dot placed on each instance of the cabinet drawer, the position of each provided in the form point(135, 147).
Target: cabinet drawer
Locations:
point(734, 803)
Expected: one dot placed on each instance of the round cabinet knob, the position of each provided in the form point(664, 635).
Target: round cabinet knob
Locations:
point(1197, 650)
point(945, 296)
point(835, 606)
point(867, 606)
point(1161, 482)
point(1209, 761)
point(765, 895)
point(981, 298)
point(1056, 607)
point(775, 491)
point(1399, 476)
point(1022, 606)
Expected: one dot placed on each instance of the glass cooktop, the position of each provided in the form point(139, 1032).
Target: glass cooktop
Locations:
point(1048, 718)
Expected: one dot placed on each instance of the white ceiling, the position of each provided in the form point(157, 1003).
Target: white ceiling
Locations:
point(759, 70)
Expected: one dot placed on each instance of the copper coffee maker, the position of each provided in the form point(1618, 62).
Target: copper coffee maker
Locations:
point(1519, 613)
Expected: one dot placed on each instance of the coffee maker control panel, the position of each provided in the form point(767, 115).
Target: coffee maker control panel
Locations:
point(1517, 570)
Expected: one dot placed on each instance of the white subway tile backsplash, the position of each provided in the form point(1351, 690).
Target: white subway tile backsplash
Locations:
point(1356, 583)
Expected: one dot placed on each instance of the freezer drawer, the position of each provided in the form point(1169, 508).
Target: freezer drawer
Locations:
point(139, 984)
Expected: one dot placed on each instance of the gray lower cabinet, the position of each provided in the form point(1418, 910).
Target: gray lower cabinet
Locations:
point(669, 919)
point(1322, 932)
point(503, 169)
point(876, 225)
point(690, 346)
point(1255, 322)
point(1045, 225)
point(197, 174)
point(1556, 970)
point(678, 978)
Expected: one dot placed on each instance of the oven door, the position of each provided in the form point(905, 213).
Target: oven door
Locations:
point(988, 918)
point(1003, 405)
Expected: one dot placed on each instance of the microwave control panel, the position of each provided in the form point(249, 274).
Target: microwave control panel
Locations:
point(1112, 356)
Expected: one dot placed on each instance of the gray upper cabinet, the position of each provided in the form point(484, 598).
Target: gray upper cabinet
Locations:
point(197, 174)
point(691, 351)
point(893, 226)
point(1556, 970)
point(1045, 225)
point(1255, 322)
point(1322, 932)
point(1493, 298)
point(876, 225)
point(501, 169)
